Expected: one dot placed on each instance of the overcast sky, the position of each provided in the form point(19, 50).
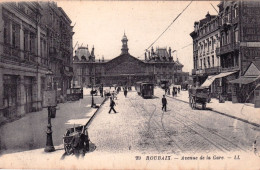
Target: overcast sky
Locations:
point(102, 24)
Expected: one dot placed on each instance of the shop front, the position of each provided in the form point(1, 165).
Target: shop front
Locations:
point(10, 95)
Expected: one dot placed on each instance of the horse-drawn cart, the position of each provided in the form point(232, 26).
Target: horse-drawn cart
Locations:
point(198, 95)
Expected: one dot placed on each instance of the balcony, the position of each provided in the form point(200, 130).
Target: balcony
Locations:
point(234, 68)
point(226, 49)
point(11, 52)
point(212, 70)
point(28, 56)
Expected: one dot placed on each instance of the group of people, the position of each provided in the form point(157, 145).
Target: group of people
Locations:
point(175, 90)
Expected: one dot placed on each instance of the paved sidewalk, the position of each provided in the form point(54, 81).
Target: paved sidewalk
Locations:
point(241, 111)
point(28, 133)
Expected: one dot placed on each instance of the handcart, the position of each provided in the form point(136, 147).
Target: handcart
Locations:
point(76, 139)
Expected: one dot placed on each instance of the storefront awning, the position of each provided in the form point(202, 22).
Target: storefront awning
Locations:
point(224, 74)
point(244, 80)
point(211, 79)
point(208, 81)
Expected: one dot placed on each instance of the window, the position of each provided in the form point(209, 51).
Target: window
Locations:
point(6, 29)
point(235, 11)
point(213, 61)
point(227, 37)
point(200, 63)
point(208, 62)
point(236, 36)
point(13, 36)
point(205, 66)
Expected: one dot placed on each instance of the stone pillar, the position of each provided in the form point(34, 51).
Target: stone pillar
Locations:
point(22, 42)
point(1, 94)
point(20, 96)
point(39, 95)
point(38, 43)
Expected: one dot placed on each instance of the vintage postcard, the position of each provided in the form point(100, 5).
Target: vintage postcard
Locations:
point(130, 84)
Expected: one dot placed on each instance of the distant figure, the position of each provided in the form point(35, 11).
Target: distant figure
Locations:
point(112, 104)
point(179, 89)
point(117, 89)
point(165, 90)
point(173, 91)
point(169, 91)
point(101, 91)
point(164, 103)
point(125, 92)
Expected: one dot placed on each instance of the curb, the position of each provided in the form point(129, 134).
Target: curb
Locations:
point(92, 117)
point(234, 117)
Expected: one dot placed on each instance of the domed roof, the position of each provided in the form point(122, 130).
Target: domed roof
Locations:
point(82, 51)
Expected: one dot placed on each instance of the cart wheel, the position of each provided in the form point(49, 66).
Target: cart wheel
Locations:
point(203, 106)
point(67, 148)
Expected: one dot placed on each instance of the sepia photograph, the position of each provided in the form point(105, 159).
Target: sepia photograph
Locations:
point(90, 84)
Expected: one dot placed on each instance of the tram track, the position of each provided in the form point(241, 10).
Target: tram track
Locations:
point(153, 127)
point(215, 136)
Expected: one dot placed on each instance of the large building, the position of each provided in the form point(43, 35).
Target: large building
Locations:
point(239, 44)
point(126, 69)
point(25, 56)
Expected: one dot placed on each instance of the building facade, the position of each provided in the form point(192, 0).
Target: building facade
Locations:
point(60, 50)
point(205, 42)
point(126, 69)
point(24, 58)
point(238, 24)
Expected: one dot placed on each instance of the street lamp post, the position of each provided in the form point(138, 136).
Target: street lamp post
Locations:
point(93, 105)
point(49, 96)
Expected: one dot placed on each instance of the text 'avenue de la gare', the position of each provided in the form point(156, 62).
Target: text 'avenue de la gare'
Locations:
point(191, 158)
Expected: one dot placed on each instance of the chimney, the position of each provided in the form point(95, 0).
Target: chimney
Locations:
point(145, 56)
point(170, 52)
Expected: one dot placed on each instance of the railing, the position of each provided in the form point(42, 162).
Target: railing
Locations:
point(234, 68)
point(226, 48)
point(212, 70)
point(12, 52)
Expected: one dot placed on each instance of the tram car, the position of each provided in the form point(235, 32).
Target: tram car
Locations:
point(146, 90)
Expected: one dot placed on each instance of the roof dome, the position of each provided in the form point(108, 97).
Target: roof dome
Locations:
point(82, 51)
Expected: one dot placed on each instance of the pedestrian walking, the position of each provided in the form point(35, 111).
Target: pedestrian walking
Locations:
point(179, 89)
point(165, 90)
point(125, 92)
point(117, 89)
point(164, 103)
point(112, 104)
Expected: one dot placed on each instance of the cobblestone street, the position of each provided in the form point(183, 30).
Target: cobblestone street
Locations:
point(141, 126)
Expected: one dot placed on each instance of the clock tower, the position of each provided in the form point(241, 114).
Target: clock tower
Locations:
point(124, 48)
